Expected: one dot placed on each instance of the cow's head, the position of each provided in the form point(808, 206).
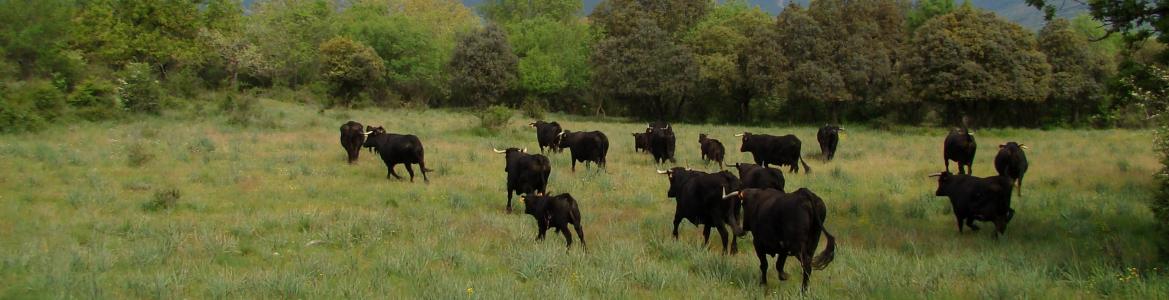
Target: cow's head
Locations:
point(509, 155)
point(1013, 147)
point(733, 204)
point(701, 138)
point(535, 205)
point(677, 176)
point(944, 181)
point(564, 139)
point(746, 141)
point(370, 134)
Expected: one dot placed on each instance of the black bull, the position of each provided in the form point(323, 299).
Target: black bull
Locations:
point(777, 150)
point(699, 199)
point(783, 224)
point(526, 173)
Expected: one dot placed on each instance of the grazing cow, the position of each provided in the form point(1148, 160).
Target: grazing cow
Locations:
point(352, 136)
point(777, 150)
point(526, 173)
point(712, 149)
point(641, 141)
point(397, 149)
point(555, 212)
point(661, 142)
point(546, 133)
point(698, 196)
point(758, 177)
point(784, 225)
point(1012, 162)
point(960, 148)
point(828, 136)
point(975, 198)
point(585, 146)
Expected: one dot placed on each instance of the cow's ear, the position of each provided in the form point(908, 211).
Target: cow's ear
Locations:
point(1001, 146)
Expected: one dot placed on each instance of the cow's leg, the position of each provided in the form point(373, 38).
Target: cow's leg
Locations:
point(762, 265)
point(734, 243)
point(1020, 185)
point(947, 162)
point(410, 170)
point(1000, 226)
point(806, 263)
point(780, 262)
point(543, 228)
point(573, 164)
point(580, 234)
point(563, 228)
point(391, 168)
point(677, 221)
point(509, 192)
point(705, 235)
point(959, 223)
point(722, 233)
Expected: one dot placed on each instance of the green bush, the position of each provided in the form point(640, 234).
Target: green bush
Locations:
point(162, 200)
point(137, 155)
point(534, 107)
point(138, 89)
point(495, 117)
point(17, 115)
point(184, 83)
point(45, 99)
point(94, 100)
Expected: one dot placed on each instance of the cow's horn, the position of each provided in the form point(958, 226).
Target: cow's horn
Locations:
point(1024, 147)
point(725, 195)
point(498, 151)
point(936, 174)
point(368, 132)
point(741, 134)
point(525, 150)
point(663, 172)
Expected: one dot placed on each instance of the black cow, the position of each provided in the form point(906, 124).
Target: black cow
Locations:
point(546, 133)
point(661, 141)
point(699, 199)
point(975, 198)
point(777, 150)
point(960, 147)
point(712, 149)
point(758, 177)
point(526, 173)
point(585, 146)
point(1012, 162)
point(352, 136)
point(555, 212)
point(641, 141)
point(828, 136)
point(397, 149)
point(784, 225)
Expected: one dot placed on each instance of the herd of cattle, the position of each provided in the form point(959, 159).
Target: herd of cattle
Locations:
point(782, 223)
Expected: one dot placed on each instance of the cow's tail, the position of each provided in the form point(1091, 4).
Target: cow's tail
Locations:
point(807, 169)
point(828, 254)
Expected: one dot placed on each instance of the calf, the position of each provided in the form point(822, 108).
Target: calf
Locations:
point(960, 148)
point(641, 141)
point(661, 142)
point(981, 199)
point(555, 212)
point(712, 149)
point(698, 199)
point(828, 136)
point(585, 146)
point(546, 133)
point(758, 177)
point(783, 225)
point(526, 174)
point(1012, 162)
point(352, 136)
point(397, 149)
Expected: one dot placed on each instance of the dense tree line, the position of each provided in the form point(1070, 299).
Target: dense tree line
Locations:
point(878, 61)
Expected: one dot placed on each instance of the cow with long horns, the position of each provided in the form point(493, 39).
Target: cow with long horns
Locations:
point(661, 142)
point(585, 146)
point(526, 173)
point(697, 195)
point(546, 133)
point(397, 149)
point(829, 136)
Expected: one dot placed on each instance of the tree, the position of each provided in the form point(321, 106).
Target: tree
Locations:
point(416, 50)
point(483, 67)
point(350, 68)
point(675, 17)
point(553, 55)
point(288, 35)
point(161, 33)
point(1136, 20)
point(924, 10)
point(737, 54)
point(1077, 72)
point(513, 11)
point(970, 58)
point(645, 70)
point(35, 38)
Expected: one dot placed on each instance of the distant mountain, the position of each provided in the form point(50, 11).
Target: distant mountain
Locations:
point(1013, 10)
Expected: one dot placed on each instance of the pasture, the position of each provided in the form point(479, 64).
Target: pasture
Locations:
point(186, 206)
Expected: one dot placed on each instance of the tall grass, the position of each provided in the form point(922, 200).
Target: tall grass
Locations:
point(275, 212)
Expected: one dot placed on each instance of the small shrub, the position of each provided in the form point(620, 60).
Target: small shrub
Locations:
point(534, 108)
point(184, 83)
point(17, 115)
point(163, 199)
point(138, 90)
point(137, 155)
point(47, 100)
point(240, 109)
point(94, 100)
point(494, 117)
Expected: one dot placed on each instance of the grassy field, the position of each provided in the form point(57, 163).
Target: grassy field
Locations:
point(89, 210)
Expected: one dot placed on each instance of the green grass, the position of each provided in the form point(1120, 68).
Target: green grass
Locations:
point(273, 211)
